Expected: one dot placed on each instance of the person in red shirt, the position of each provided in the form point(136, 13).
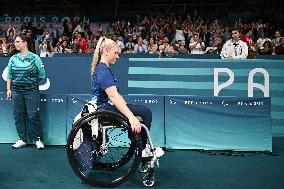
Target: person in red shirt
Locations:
point(83, 42)
point(248, 39)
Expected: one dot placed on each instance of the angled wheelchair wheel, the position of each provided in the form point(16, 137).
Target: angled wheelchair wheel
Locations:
point(102, 149)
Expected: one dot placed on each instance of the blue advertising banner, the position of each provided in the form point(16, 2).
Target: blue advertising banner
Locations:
point(218, 123)
point(172, 76)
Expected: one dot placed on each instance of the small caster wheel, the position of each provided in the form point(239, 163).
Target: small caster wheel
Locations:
point(149, 178)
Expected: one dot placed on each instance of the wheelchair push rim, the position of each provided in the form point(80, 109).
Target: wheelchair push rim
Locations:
point(105, 170)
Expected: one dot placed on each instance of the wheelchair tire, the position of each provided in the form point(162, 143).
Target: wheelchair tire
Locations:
point(104, 168)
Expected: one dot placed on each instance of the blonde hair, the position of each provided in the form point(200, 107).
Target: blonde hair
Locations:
point(102, 43)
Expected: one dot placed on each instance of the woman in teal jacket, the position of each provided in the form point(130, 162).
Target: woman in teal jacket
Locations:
point(25, 69)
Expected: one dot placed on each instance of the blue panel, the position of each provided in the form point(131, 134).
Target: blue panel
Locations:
point(156, 105)
point(74, 106)
point(7, 124)
point(218, 123)
point(52, 115)
point(53, 118)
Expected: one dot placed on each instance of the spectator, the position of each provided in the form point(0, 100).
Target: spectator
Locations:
point(75, 46)
point(140, 47)
point(211, 49)
point(5, 47)
point(153, 47)
point(119, 43)
point(279, 50)
point(11, 34)
point(197, 46)
point(83, 42)
point(46, 48)
point(129, 46)
point(226, 34)
point(252, 48)
point(276, 39)
point(260, 41)
point(64, 47)
point(267, 48)
point(234, 48)
point(164, 47)
point(182, 49)
point(79, 28)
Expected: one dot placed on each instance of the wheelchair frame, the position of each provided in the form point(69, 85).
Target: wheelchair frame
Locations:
point(105, 121)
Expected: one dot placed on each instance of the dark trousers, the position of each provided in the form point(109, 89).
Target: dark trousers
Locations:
point(138, 110)
point(27, 108)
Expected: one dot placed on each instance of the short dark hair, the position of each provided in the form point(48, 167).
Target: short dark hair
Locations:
point(23, 37)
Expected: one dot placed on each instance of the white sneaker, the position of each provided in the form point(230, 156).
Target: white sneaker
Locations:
point(147, 152)
point(39, 144)
point(19, 144)
point(159, 151)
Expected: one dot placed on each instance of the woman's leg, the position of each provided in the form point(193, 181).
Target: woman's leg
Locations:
point(32, 99)
point(141, 111)
point(20, 115)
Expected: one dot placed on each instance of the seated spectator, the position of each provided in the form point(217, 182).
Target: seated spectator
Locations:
point(164, 47)
point(267, 48)
point(260, 41)
point(129, 46)
point(119, 43)
point(5, 47)
point(140, 47)
point(79, 28)
point(181, 48)
point(197, 46)
point(83, 42)
point(211, 49)
point(234, 48)
point(153, 47)
point(75, 46)
point(64, 47)
point(276, 39)
point(46, 48)
point(279, 50)
point(252, 48)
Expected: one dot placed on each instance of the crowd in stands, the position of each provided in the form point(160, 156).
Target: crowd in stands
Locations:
point(160, 35)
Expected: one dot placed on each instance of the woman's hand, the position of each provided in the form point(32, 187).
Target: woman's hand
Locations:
point(135, 124)
point(9, 95)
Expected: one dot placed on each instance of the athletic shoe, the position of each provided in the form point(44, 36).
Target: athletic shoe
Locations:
point(39, 144)
point(147, 152)
point(19, 144)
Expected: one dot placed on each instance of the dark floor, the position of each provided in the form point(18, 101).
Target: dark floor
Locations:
point(29, 168)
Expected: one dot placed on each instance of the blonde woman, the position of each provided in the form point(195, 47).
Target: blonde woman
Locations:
point(105, 92)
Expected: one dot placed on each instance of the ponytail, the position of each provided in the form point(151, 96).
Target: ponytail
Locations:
point(96, 56)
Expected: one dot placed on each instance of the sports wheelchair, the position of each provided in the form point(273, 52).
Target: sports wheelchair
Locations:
point(104, 152)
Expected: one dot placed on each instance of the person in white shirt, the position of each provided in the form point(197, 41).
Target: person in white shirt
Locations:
point(119, 43)
point(234, 48)
point(140, 47)
point(197, 46)
point(260, 41)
